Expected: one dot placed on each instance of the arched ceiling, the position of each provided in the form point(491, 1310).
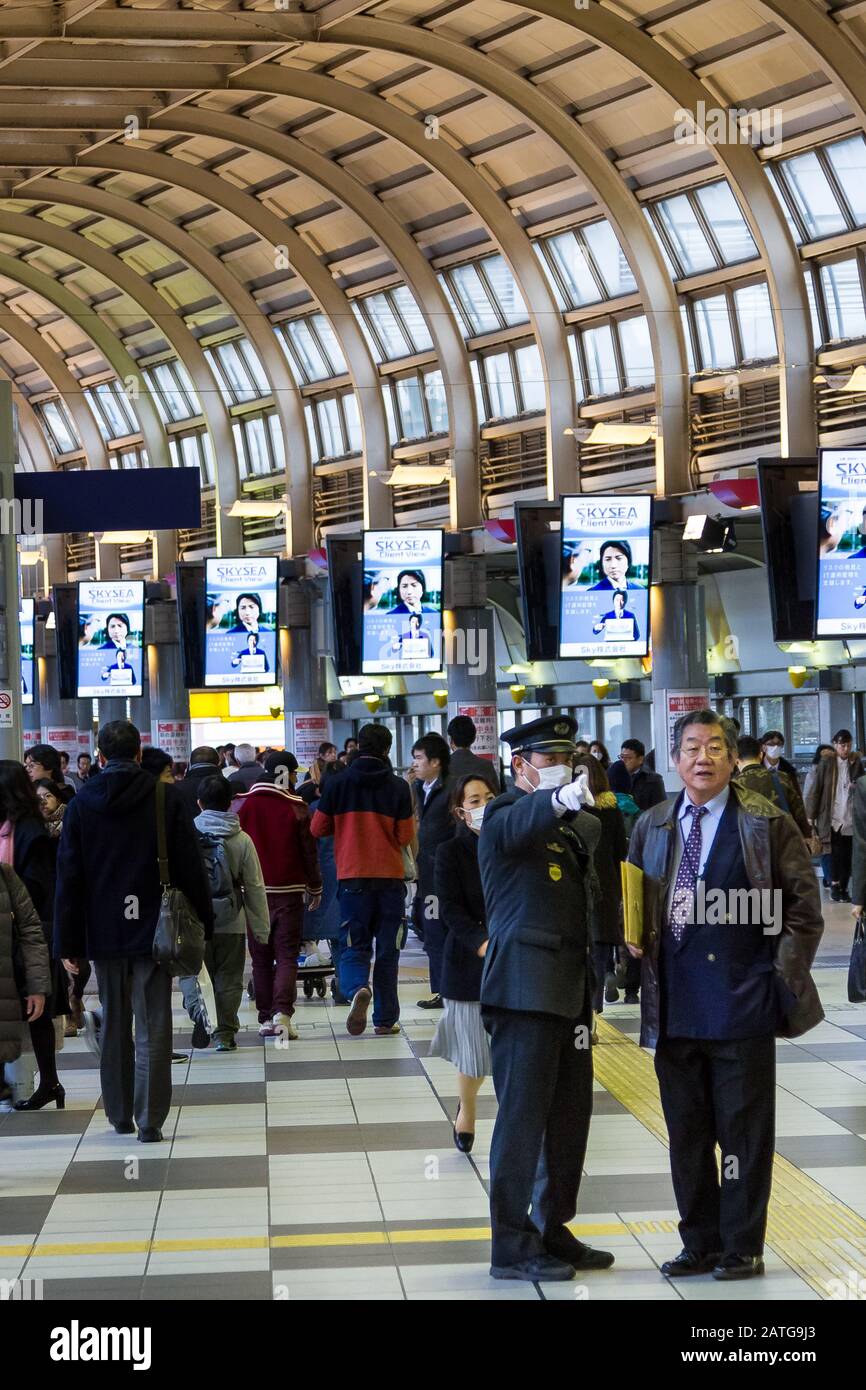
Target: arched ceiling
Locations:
point(169, 173)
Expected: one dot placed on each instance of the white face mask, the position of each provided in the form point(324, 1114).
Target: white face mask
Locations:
point(550, 778)
point(773, 754)
point(475, 817)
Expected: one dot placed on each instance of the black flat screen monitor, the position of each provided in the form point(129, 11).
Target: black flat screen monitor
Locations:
point(537, 526)
point(191, 622)
point(788, 490)
point(345, 581)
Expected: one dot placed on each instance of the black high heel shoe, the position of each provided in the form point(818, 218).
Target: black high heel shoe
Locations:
point(42, 1097)
point(463, 1142)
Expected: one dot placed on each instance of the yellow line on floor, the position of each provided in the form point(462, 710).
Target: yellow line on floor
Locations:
point(815, 1233)
point(422, 1235)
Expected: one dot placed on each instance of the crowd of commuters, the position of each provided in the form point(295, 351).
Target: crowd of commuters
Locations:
point(516, 897)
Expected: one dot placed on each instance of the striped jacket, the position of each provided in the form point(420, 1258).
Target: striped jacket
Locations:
point(278, 823)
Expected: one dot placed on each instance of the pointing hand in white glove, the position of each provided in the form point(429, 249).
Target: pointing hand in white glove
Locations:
point(575, 795)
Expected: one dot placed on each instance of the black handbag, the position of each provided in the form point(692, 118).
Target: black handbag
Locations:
point(178, 941)
point(857, 965)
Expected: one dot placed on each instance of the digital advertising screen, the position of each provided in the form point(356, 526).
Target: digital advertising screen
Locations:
point(25, 623)
point(841, 592)
point(241, 622)
point(606, 549)
point(110, 638)
point(402, 601)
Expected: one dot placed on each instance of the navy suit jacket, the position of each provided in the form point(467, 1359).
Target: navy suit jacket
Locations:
point(720, 980)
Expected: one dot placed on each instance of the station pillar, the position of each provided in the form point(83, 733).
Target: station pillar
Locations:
point(679, 679)
point(469, 655)
point(305, 700)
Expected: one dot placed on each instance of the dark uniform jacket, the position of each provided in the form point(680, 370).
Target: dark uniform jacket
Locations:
point(536, 870)
point(461, 913)
point(774, 857)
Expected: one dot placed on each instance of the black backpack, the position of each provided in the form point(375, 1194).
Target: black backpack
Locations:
point(225, 890)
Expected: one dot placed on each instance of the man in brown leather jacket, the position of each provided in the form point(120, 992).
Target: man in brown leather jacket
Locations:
point(720, 981)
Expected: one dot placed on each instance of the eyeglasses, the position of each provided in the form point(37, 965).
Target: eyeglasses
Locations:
point(713, 750)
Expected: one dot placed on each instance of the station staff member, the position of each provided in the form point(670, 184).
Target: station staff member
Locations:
point(535, 856)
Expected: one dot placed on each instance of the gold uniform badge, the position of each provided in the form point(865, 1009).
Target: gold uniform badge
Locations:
point(555, 871)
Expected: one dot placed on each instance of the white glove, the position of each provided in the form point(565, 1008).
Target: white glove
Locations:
point(573, 796)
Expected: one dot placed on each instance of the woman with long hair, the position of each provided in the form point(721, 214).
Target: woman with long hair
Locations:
point(26, 847)
point(598, 750)
point(606, 932)
point(460, 1037)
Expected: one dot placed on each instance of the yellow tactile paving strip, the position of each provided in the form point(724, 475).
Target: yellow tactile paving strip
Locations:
point(812, 1231)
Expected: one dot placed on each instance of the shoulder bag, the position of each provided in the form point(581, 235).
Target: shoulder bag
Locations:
point(857, 965)
point(178, 941)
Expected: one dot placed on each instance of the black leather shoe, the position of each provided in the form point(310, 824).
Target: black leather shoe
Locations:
point(844, 896)
point(434, 1002)
point(125, 1127)
point(739, 1267)
point(540, 1269)
point(835, 894)
point(465, 1140)
point(631, 998)
point(150, 1136)
point(689, 1263)
point(578, 1255)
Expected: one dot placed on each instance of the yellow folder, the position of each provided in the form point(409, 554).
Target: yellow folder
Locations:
point(632, 903)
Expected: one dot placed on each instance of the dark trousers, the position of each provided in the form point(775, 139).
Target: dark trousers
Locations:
point(368, 917)
point(135, 1075)
point(79, 982)
point(224, 957)
point(542, 1075)
point(841, 847)
point(720, 1093)
point(432, 933)
point(602, 964)
point(275, 963)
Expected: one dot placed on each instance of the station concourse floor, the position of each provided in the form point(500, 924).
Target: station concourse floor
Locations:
point(325, 1169)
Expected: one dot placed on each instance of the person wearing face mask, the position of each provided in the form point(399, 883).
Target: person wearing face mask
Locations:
point(772, 744)
point(535, 856)
point(460, 1037)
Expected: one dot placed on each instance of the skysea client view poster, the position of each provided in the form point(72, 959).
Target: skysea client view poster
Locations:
point(402, 602)
point(604, 608)
point(841, 606)
point(241, 623)
point(110, 638)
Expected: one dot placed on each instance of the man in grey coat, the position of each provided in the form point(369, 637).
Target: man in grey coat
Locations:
point(535, 857)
